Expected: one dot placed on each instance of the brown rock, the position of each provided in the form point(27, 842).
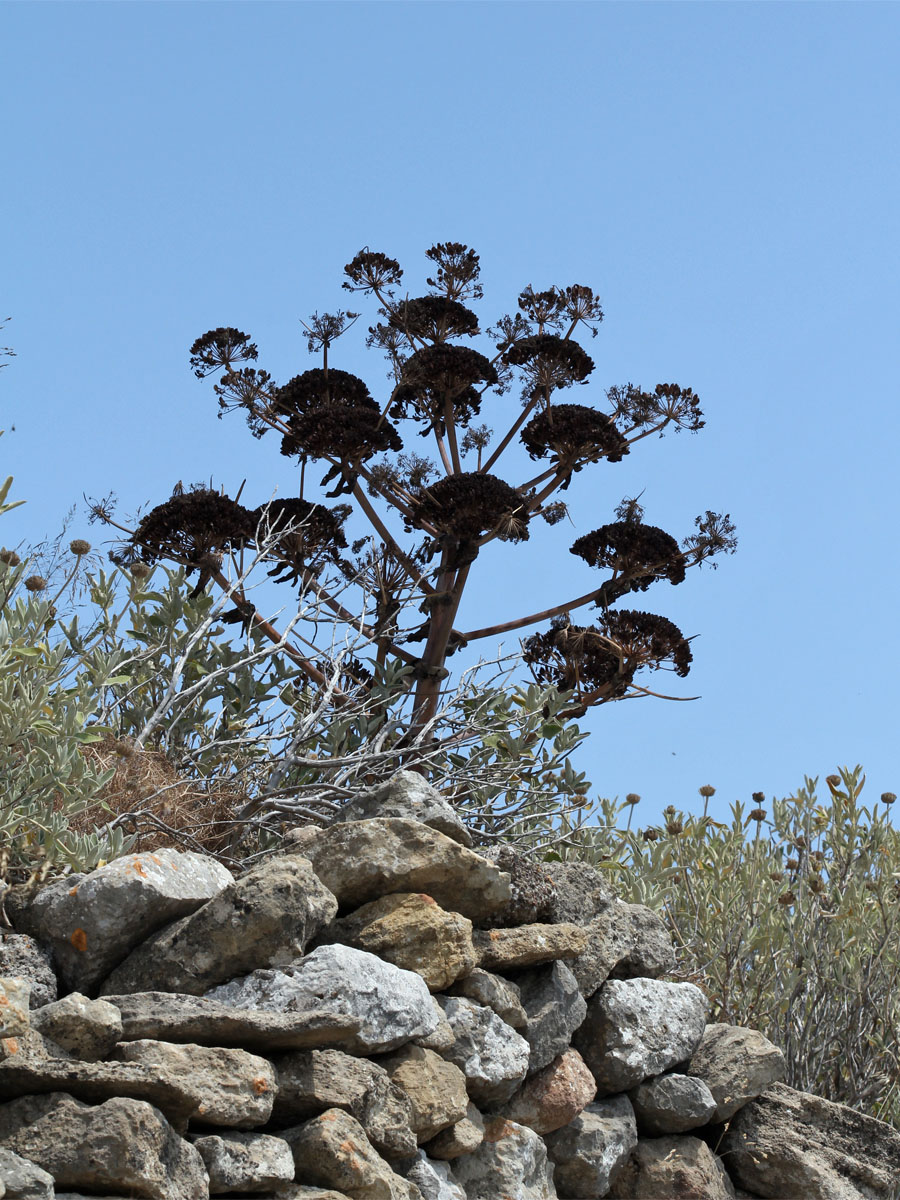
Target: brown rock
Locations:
point(463, 1137)
point(527, 945)
point(554, 1096)
point(436, 1089)
point(672, 1168)
point(332, 1151)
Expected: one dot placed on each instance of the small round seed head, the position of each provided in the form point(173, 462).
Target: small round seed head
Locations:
point(35, 583)
point(675, 827)
point(757, 814)
point(707, 790)
point(650, 835)
point(758, 797)
point(670, 808)
point(140, 570)
point(792, 864)
point(816, 884)
point(10, 558)
point(79, 547)
point(786, 899)
point(632, 798)
point(888, 797)
point(776, 875)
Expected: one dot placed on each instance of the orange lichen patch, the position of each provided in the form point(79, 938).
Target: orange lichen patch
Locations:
point(4, 1000)
point(497, 1130)
point(428, 899)
point(10, 1045)
point(73, 890)
point(138, 867)
point(260, 1085)
point(79, 940)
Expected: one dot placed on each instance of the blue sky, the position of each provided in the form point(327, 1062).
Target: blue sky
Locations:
point(724, 175)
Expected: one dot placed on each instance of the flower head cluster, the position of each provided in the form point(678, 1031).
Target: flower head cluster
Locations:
point(222, 347)
point(307, 534)
point(466, 506)
point(549, 362)
point(458, 269)
point(331, 414)
point(439, 375)
point(433, 319)
point(574, 434)
point(371, 271)
point(667, 401)
point(641, 553)
point(193, 528)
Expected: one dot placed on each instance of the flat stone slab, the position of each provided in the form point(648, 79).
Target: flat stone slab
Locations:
point(527, 945)
point(174, 1017)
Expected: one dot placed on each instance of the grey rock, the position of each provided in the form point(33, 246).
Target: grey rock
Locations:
point(361, 861)
point(123, 1145)
point(789, 1143)
point(554, 1009)
point(492, 991)
point(15, 1015)
point(671, 1104)
point(249, 1162)
point(412, 797)
point(462, 1138)
point(230, 1087)
point(436, 1088)
point(511, 1161)
point(393, 1005)
point(312, 1081)
point(433, 1178)
point(174, 1017)
point(491, 1055)
point(332, 1150)
point(736, 1065)
point(21, 955)
point(91, 922)
point(263, 919)
point(22, 1180)
point(531, 888)
point(679, 1168)
point(440, 1038)
point(623, 941)
point(589, 1153)
point(89, 1029)
point(636, 1028)
point(581, 893)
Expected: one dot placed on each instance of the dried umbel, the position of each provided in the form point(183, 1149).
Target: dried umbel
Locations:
point(467, 506)
point(550, 362)
point(574, 434)
point(371, 271)
point(437, 376)
point(308, 534)
point(332, 415)
point(641, 553)
point(193, 528)
point(222, 347)
point(433, 319)
point(667, 402)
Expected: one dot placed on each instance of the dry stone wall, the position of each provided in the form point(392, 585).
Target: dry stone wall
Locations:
point(385, 1012)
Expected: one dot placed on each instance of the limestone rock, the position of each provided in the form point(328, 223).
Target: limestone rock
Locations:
point(590, 1152)
point(393, 1005)
point(491, 1055)
point(511, 1161)
point(89, 1029)
point(231, 1087)
point(736, 1065)
point(432, 1178)
point(410, 930)
point(531, 888)
point(581, 892)
point(410, 796)
point(554, 1009)
point(123, 1145)
point(554, 1096)
point(636, 1028)
point(263, 919)
point(441, 1037)
point(332, 1150)
point(462, 1138)
point(623, 941)
point(172, 1017)
point(22, 1180)
point(789, 1143)
point(14, 1006)
point(671, 1104)
point(436, 1089)
point(678, 1168)
point(311, 1081)
point(249, 1162)
point(361, 861)
point(91, 922)
point(527, 945)
point(492, 991)
point(21, 955)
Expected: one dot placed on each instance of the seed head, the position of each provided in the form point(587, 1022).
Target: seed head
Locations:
point(632, 798)
point(888, 797)
point(10, 558)
point(757, 814)
point(650, 835)
point(707, 790)
point(758, 797)
point(675, 827)
point(786, 899)
point(35, 583)
point(79, 547)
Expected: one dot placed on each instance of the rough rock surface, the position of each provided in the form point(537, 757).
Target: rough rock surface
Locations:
point(554, 1096)
point(671, 1104)
point(92, 921)
point(123, 1146)
point(410, 930)
point(89, 1029)
point(436, 1089)
point(623, 941)
point(736, 1065)
point(249, 1162)
point(581, 893)
point(491, 1055)
point(361, 861)
point(493, 991)
point(332, 1150)
point(410, 796)
point(789, 1143)
point(21, 955)
point(263, 919)
point(532, 892)
point(636, 1028)
point(15, 1016)
point(673, 1168)
point(393, 1005)
point(527, 945)
point(22, 1180)
point(462, 1138)
point(511, 1161)
point(590, 1152)
point(554, 1009)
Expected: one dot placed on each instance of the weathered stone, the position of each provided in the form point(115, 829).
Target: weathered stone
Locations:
point(527, 945)
point(394, 1005)
point(461, 1138)
point(410, 930)
point(736, 1065)
point(361, 861)
point(554, 1096)
point(581, 892)
point(511, 1161)
point(332, 1150)
point(22, 1180)
point(440, 1038)
point(172, 1017)
point(433, 1179)
point(263, 919)
point(409, 796)
point(89, 1029)
point(122, 1145)
point(789, 1143)
point(91, 922)
point(249, 1162)
point(14, 1006)
point(230, 1087)
point(590, 1152)
point(554, 1009)
point(623, 941)
point(492, 991)
point(491, 1055)
point(21, 955)
point(436, 1089)
point(311, 1081)
point(677, 1168)
point(636, 1028)
point(531, 888)
point(671, 1104)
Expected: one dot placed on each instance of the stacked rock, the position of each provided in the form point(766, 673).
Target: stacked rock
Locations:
point(384, 1012)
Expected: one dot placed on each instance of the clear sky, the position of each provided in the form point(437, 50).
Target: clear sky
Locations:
point(724, 175)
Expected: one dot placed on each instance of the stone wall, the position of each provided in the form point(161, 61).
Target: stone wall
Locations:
point(385, 1013)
